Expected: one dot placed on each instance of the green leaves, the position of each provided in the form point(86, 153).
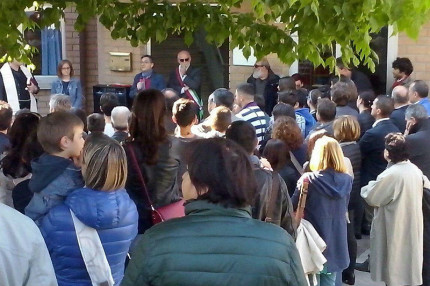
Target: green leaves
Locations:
point(267, 26)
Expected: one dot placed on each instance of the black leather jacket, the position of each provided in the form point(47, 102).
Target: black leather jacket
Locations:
point(160, 180)
point(283, 211)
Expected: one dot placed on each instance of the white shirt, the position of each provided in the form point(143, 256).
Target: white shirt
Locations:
point(24, 258)
point(109, 131)
point(379, 120)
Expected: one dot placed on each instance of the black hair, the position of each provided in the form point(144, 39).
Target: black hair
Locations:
point(326, 109)
point(283, 109)
point(287, 83)
point(170, 99)
point(289, 97)
point(82, 115)
point(221, 172)
point(314, 95)
point(223, 96)
point(95, 123)
point(149, 57)
point(5, 115)
point(185, 111)
point(385, 104)
point(246, 89)
point(244, 134)
point(403, 65)
point(108, 101)
point(395, 144)
point(302, 97)
point(368, 97)
point(24, 145)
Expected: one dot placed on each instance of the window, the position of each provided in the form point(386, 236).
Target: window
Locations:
point(49, 42)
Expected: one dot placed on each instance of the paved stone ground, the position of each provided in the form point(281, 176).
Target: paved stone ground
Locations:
point(363, 278)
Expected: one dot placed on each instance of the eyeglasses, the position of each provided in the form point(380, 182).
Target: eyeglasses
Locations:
point(184, 60)
point(65, 68)
point(258, 66)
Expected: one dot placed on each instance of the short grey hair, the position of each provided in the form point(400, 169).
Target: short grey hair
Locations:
point(120, 117)
point(416, 111)
point(60, 102)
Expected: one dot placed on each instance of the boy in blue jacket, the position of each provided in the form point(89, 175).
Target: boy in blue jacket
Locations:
point(54, 174)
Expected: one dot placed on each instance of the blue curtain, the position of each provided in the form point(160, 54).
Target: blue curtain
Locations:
point(51, 51)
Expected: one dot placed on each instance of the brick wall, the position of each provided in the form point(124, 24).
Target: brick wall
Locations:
point(43, 101)
point(90, 53)
point(418, 51)
point(105, 45)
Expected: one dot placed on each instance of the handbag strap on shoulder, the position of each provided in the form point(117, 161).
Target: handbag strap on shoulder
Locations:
point(296, 164)
point(139, 173)
point(270, 214)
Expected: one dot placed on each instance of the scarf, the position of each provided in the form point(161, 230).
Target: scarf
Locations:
point(10, 87)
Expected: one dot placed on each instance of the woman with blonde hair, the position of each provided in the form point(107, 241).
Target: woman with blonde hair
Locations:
point(102, 205)
point(326, 205)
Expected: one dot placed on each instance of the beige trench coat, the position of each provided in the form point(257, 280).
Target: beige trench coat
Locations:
point(396, 237)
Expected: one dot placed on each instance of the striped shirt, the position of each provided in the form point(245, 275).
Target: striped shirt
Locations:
point(254, 115)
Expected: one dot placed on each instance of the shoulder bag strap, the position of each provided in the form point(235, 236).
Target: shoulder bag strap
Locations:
point(139, 173)
point(270, 207)
point(302, 200)
point(93, 254)
point(296, 164)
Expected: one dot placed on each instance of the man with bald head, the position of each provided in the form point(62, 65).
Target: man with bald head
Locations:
point(401, 103)
point(186, 80)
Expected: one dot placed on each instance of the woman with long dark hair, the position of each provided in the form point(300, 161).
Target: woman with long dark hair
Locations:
point(157, 162)
point(16, 165)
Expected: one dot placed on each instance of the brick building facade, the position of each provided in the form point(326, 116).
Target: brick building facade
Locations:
point(89, 52)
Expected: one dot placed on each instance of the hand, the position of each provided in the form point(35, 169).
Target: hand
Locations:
point(409, 125)
point(32, 88)
point(182, 70)
point(236, 109)
point(139, 85)
point(77, 160)
point(265, 164)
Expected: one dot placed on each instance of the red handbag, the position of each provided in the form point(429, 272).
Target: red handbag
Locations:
point(163, 213)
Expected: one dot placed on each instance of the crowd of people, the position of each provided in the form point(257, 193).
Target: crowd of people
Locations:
point(278, 181)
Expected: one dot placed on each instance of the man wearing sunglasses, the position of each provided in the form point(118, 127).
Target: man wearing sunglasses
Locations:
point(186, 80)
point(265, 83)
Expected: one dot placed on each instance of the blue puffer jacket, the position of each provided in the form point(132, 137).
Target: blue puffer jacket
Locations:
point(112, 214)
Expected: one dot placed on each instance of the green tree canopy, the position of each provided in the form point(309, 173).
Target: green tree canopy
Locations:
point(265, 25)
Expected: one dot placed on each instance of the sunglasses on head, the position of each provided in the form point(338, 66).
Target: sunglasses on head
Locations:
point(258, 66)
point(184, 60)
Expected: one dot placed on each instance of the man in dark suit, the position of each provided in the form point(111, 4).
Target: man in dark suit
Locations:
point(418, 137)
point(147, 78)
point(372, 146)
point(186, 80)
point(400, 97)
point(372, 143)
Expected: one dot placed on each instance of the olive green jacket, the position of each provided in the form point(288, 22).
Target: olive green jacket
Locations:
point(214, 245)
